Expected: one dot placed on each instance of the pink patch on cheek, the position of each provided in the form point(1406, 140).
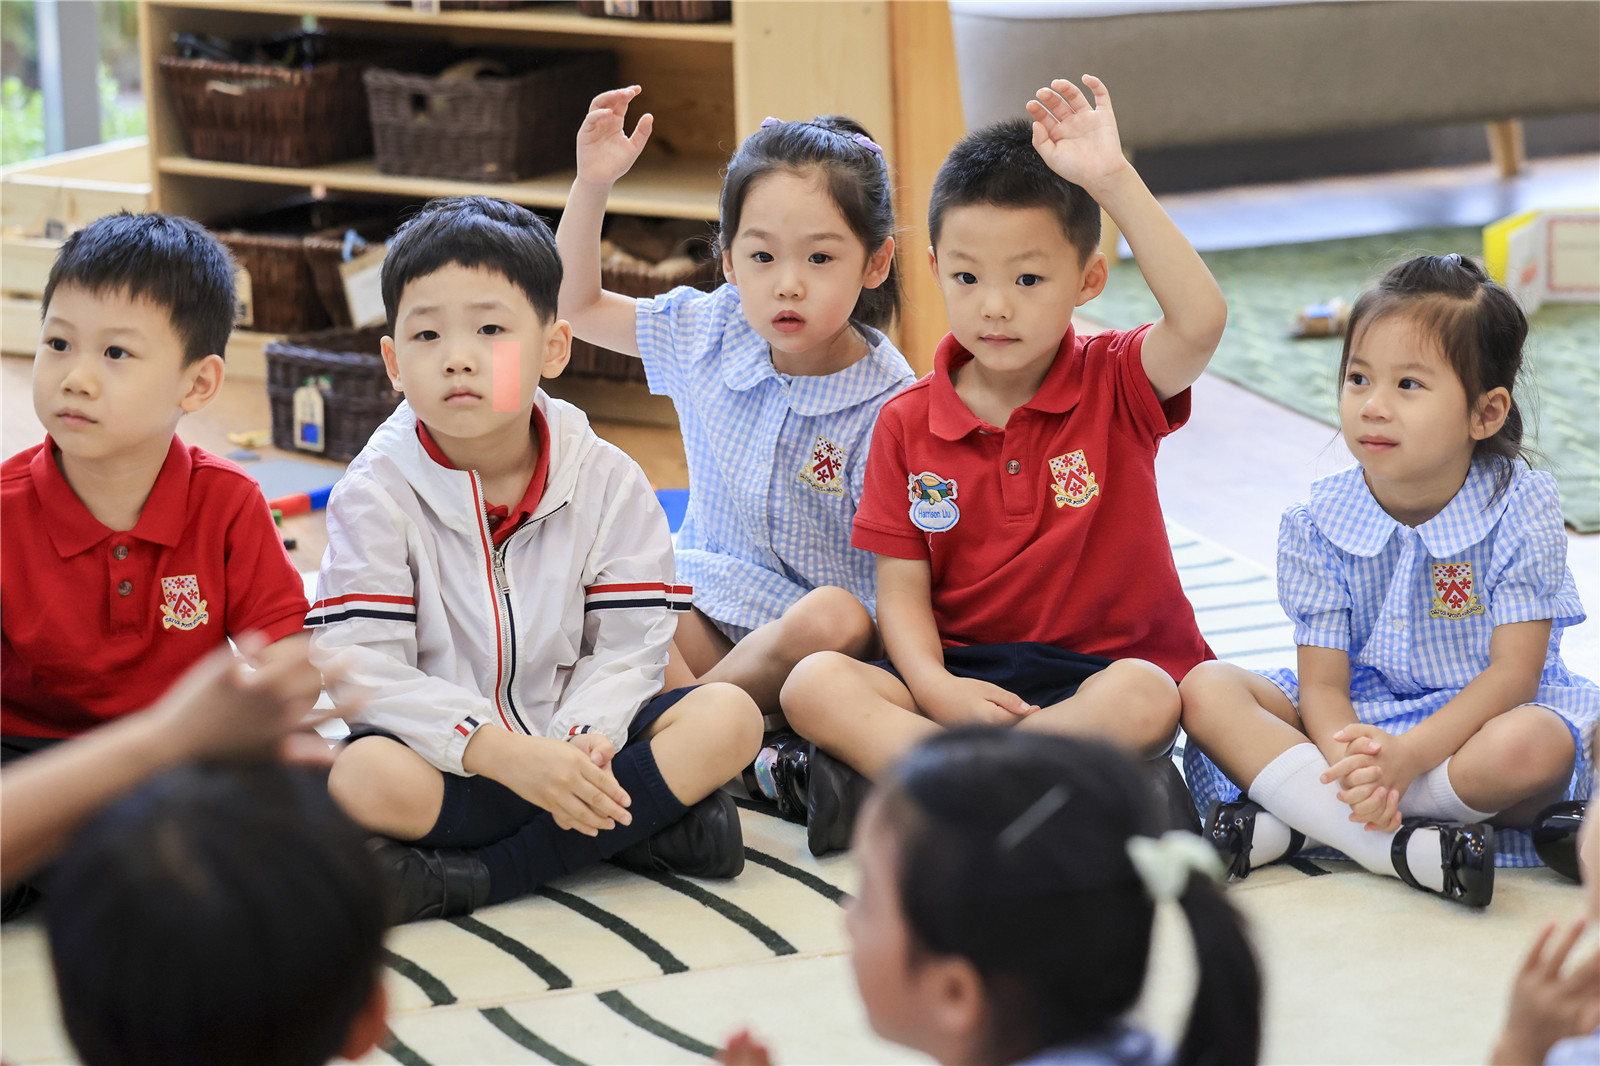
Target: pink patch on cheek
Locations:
point(507, 375)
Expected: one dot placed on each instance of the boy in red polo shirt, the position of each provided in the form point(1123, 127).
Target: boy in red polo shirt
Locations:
point(127, 556)
point(1024, 573)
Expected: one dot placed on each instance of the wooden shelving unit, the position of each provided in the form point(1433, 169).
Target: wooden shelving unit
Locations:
point(707, 84)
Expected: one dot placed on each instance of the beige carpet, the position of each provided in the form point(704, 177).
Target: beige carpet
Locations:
point(612, 967)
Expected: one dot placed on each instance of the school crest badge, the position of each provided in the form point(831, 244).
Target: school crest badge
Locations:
point(1072, 479)
point(184, 607)
point(933, 507)
point(824, 471)
point(1453, 596)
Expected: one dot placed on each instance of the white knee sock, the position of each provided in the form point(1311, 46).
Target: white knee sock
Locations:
point(1288, 786)
point(1432, 796)
point(1270, 840)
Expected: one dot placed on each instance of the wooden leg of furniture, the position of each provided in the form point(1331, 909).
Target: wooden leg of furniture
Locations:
point(1506, 148)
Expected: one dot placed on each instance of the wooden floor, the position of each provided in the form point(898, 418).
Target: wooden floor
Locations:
point(1239, 462)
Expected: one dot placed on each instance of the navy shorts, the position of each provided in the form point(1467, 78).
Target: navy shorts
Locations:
point(1042, 674)
point(477, 811)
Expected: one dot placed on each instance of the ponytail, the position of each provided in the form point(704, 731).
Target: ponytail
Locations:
point(1225, 1019)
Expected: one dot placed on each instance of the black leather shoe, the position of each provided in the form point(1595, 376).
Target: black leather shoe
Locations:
point(431, 882)
point(780, 774)
point(1555, 837)
point(1174, 804)
point(1466, 854)
point(1231, 828)
point(834, 796)
point(705, 842)
point(17, 900)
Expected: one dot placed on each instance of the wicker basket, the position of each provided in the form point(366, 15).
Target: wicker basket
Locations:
point(639, 281)
point(292, 253)
point(472, 5)
point(356, 399)
point(488, 128)
point(271, 115)
point(660, 10)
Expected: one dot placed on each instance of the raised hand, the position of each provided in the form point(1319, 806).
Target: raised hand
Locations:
point(1547, 1005)
point(221, 710)
point(1078, 141)
point(605, 153)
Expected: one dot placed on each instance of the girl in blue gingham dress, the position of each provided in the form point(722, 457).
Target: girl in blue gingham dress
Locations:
point(777, 378)
point(1428, 586)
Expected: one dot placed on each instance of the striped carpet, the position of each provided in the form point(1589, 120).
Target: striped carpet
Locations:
point(612, 966)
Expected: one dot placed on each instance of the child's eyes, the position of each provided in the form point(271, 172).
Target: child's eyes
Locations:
point(1029, 280)
point(820, 257)
point(964, 277)
point(491, 329)
point(1410, 383)
point(1355, 379)
point(425, 335)
point(116, 353)
point(762, 257)
point(58, 344)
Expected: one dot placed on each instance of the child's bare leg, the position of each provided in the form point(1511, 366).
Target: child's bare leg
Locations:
point(1239, 719)
point(1517, 764)
point(697, 646)
point(386, 787)
point(858, 713)
point(704, 740)
point(824, 619)
point(1131, 703)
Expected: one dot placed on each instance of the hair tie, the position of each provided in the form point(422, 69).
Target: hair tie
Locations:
point(1164, 864)
point(1026, 823)
point(769, 122)
point(866, 142)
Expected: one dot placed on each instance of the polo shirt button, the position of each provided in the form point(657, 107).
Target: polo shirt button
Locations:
point(1013, 467)
point(120, 551)
point(125, 588)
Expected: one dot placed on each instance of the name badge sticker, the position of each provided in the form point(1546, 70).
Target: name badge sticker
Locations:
point(933, 508)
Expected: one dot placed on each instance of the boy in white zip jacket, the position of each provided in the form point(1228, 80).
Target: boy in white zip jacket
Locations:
point(500, 581)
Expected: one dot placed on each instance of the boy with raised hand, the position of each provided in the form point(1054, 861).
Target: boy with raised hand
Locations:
point(501, 582)
point(1030, 580)
point(128, 556)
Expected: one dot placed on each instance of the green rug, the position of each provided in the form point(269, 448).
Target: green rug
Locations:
point(1266, 286)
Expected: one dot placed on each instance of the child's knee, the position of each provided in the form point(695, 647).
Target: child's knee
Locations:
point(827, 619)
point(816, 683)
point(385, 786)
point(1531, 746)
point(1151, 698)
point(729, 720)
point(1203, 688)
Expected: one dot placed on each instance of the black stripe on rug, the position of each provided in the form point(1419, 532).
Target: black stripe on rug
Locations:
point(437, 991)
point(502, 1020)
point(1307, 867)
point(731, 911)
point(630, 1010)
point(831, 892)
point(397, 1050)
point(547, 971)
point(650, 947)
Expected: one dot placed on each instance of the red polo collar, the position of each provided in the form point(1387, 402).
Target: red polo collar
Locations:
point(950, 418)
point(72, 529)
point(500, 516)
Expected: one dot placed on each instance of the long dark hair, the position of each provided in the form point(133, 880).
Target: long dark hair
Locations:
point(857, 178)
point(217, 915)
point(1477, 323)
point(1013, 855)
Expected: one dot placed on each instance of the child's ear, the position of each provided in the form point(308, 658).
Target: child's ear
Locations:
point(1096, 272)
point(370, 1025)
point(727, 267)
point(205, 381)
point(933, 263)
point(878, 264)
point(957, 1004)
point(391, 363)
point(557, 348)
point(1491, 415)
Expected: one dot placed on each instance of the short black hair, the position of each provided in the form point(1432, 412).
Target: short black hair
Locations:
point(217, 914)
point(998, 165)
point(473, 232)
point(170, 261)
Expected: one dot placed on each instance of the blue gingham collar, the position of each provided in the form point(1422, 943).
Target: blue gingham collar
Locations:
point(747, 362)
point(1349, 516)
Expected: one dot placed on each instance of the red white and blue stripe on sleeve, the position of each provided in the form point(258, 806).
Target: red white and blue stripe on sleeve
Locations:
point(362, 605)
point(637, 594)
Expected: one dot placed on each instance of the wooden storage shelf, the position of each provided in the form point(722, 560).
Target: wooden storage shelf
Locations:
point(670, 188)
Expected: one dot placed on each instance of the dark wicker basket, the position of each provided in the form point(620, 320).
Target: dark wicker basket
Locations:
point(489, 128)
point(591, 360)
point(292, 253)
point(473, 5)
point(271, 116)
point(660, 10)
point(358, 396)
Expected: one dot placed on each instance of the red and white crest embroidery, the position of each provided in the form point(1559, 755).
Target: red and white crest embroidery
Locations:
point(824, 471)
point(1453, 596)
point(184, 607)
point(1072, 479)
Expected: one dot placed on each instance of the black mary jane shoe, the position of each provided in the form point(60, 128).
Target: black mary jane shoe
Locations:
point(1231, 829)
point(781, 773)
point(430, 882)
point(1555, 837)
point(1466, 855)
